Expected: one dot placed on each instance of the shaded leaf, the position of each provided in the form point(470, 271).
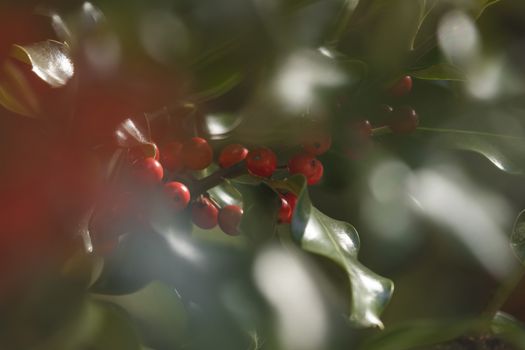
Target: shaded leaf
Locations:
point(158, 313)
point(505, 152)
point(261, 205)
point(50, 60)
point(517, 237)
point(510, 329)
point(223, 194)
point(441, 71)
point(216, 85)
point(420, 334)
point(338, 241)
point(482, 5)
point(16, 93)
point(99, 326)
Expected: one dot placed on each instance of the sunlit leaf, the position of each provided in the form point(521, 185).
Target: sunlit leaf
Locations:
point(130, 133)
point(517, 237)
point(420, 334)
point(338, 241)
point(218, 125)
point(50, 60)
point(158, 313)
point(441, 71)
point(506, 152)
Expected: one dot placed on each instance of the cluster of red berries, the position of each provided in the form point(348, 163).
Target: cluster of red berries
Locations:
point(196, 154)
point(403, 119)
point(399, 120)
point(193, 154)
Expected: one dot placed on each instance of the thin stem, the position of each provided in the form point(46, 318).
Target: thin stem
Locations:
point(200, 186)
point(382, 130)
point(469, 132)
point(503, 294)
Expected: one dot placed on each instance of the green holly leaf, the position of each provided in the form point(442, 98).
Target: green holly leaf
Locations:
point(223, 194)
point(98, 326)
point(158, 313)
point(50, 60)
point(420, 334)
point(338, 241)
point(505, 152)
point(219, 125)
point(440, 71)
point(517, 237)
point(260, 212)
point(482, 5)
point(508, 328)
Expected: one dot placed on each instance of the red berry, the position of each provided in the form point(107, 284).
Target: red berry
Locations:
point(307, 165)
point(285, 211)
point(204, 214)
point(317, 143)
point(363, 129)
point(232, 154)
point(403, 120)
point(196, 153)
point(148, 171)
point(261, 162)
point(291, 199)
point(179, 195)
point(171, 156)
point(230, 218)
point(401, 87)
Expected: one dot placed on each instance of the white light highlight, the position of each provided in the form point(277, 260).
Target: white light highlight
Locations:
point(302, 320)
point(474, 216)
point(302, 73)
point(458, 38)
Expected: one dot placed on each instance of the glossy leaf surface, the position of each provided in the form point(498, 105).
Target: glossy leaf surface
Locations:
point(338, 241)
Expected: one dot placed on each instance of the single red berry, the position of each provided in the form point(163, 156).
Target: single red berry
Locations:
point(363, 129)
point(204, 214)
point(171, 156)
point(232, 154)
point(403, 120)
point(401, 87)
point(317, 143)
point(179, 195)
point(230, 218)
point(196, 153)
point(148, 171)
point(307, 165)
point(285, 212)
point(261, 162)
point(291, 199)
